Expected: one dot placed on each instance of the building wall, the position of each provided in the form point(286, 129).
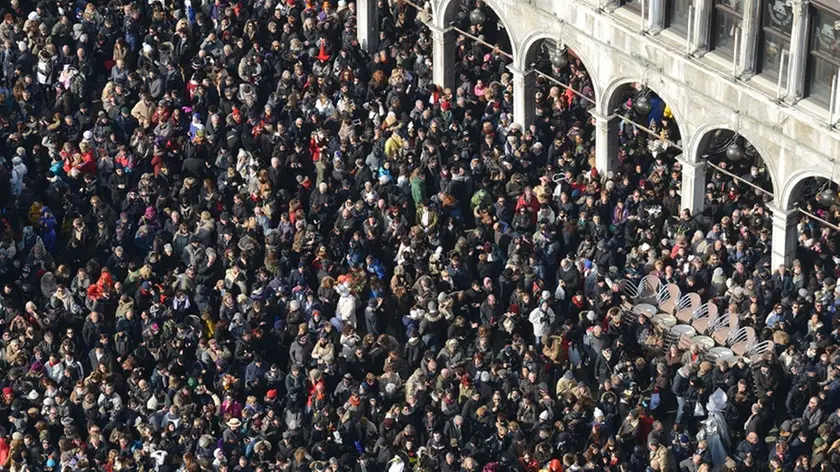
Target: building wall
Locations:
point(794, 139)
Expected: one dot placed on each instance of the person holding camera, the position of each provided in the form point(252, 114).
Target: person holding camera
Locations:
point(542, 318)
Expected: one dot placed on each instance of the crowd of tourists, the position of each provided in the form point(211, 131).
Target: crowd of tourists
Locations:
point(233, 240)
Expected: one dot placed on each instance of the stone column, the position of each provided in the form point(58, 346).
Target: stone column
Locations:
point(702, 23)
point(693, 185)
point(750, 27)
point(783, 239)
point(524, 100)
point(443, 57)
point(367, 29)
point(798, 58)
point(606, 142)
point(655, 16)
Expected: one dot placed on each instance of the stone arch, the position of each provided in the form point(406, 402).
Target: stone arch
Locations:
point(445, 12)
point(532, 40)
point(609, 101)
point(791, 192)
point(701, 139)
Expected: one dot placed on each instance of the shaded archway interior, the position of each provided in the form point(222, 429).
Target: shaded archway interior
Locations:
point(730, 151)
point(559, 112)
point(641, 151)
point(476, 61)
point(819, 196)
point(550, 57)
point(458, 13)
point(819, 200)
point(738, 179)
point(405, 16)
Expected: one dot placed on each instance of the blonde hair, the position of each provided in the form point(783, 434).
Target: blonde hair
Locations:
point(145, 272)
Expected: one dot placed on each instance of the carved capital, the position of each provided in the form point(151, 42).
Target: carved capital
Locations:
point(798, 7)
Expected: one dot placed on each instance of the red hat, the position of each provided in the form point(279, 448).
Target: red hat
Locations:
point(271, 393)
point(322, 54)
point(444, 105)
point(8, 391)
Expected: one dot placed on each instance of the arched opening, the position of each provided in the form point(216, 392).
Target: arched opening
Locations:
point(816, 203)
point(738, 189)
point(562, 95)
point(736, 168)
point(404, 25)
point(649, 137)
point(381, 25)
point(480, 20)
point(407, 20)
point(817, 195)
point(560, 71)
point(484, 52)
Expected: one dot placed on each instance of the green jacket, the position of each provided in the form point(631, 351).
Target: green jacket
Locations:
point(418, 190)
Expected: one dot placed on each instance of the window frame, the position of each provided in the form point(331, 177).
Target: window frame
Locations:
point(771, 30)
point(718, 11)
point(816, 8)
point(670, 13)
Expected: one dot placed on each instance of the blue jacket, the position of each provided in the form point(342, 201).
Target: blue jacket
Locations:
point(376, 269)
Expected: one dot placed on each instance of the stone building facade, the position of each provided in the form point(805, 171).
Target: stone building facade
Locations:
point(716, 63)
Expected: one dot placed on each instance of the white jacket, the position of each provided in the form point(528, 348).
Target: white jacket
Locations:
point(346, 309)
point(542, 321)
point(19, 170)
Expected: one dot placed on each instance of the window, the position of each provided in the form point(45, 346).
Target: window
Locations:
point(824, 57)
point(777, 20)
point(726, 22)
point(676, 16)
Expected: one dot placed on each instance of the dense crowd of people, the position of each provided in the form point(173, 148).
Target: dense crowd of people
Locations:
point(232, 240)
